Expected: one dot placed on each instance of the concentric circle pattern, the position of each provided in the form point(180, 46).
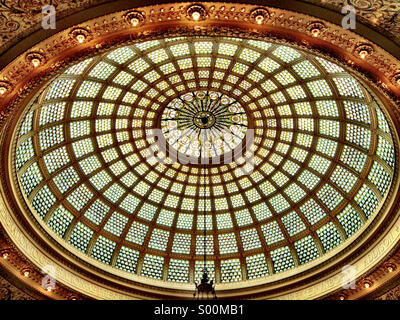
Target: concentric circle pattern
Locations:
point(322, 159)
point(204, 124)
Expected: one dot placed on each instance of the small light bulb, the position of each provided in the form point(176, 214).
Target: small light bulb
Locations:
point(341, 297)
point(390, 268)
point(196, 15)
point(259, 19)
point(80, 38)
point(26, 274)
point(315, 32)
point(134, 22)
point(3, 90)
point(49, 289)
point(363, 54)
point(367, 285)
point(35, 62)
point(5, 255)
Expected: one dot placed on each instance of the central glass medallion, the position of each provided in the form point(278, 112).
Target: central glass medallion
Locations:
point(204, 124)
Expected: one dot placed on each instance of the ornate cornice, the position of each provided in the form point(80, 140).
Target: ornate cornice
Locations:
point(20, 19)
point(382, 15)
point(113, 29)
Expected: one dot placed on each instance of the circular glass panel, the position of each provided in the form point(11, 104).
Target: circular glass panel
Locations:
point(319, 167)
point(204, 123)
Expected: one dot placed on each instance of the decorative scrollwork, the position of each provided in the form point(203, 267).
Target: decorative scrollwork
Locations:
point(396, 78)
point(5, 293)
point(366, 5)
point(7, 24)
point(393, 294)
point(30, 6)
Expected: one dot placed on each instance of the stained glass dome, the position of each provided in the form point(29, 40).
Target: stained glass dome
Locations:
point(321, 158)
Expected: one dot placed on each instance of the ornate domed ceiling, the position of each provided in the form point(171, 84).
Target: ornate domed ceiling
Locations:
point(318, 168)
point(19, 18)
point(138, 142)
